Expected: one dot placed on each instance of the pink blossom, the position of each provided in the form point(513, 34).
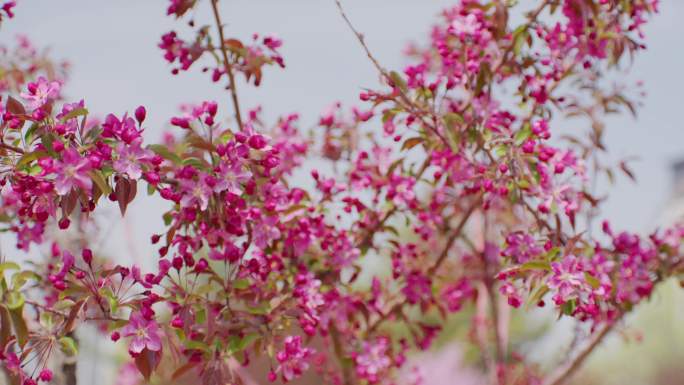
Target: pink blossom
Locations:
point(231, 177)
point(373, 360)
point(195, 193)
point(144, 333)
point(293, 359)
point(72, 171)
point(41, 91)
point(568, 280)
point(130, 159)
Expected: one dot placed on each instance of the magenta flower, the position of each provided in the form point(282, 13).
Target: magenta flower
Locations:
point(373, 360)
point(568, 280)
point(231, 177)
point(293, 359)
point(144, 333)
point(40, 92)
point(72, 171)
point(195, 193)
point(130, 159)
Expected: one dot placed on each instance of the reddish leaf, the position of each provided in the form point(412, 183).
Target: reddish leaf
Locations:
point(147, 361)
point(5, 326)
point(14, 106)
point(125, 191)
point(70, 322)
point(183, 370)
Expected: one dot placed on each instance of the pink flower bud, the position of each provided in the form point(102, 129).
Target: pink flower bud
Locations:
point(45, 375)
point(140, 114)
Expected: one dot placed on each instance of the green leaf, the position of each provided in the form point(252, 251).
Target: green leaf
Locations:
point(569, 307)
point(68, 346)
point(196, 163)
point(261, 309)
point(523, 134)
point(111, 299)
point(30, 157)
point(196, 345)
point(538, 295)
point(19, 279)
point(100, 181)
point(28, 136)
point(592, 281)
point(398, 81)
point(519, 37)
point(411, 142)
point(241, 284)
point(237, 344)
point(19, 324)
point(165, 153)
point(75, 113)
point(14, 300)
point(536, 265)
point(8, 266)
point(500, 150)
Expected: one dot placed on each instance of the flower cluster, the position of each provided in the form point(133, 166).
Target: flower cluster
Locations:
point(444, 175)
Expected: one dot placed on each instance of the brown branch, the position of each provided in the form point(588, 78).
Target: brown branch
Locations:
point(11, 148)
point(226, 63)
point(455, 235)
point(371, 232)
point(563, 373)
point(404, 101)
point(442, 257)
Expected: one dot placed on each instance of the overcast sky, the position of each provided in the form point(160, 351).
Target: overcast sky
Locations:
point(116, 66)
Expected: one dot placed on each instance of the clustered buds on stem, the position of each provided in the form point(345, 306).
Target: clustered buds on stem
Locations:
point(448, 173)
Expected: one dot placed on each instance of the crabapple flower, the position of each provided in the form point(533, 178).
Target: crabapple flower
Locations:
point(144, 334)
point(72, 171)
point(373, 360)
point(195, 193)
point(293, 359)
point(568, 280)
point(231, 177)
point(40, 92)
point(130, 159)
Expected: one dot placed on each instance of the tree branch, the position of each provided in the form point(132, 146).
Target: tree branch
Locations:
point(226, 64)
point(563, 373)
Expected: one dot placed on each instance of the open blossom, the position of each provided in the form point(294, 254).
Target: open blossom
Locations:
point(265, 230)
point(467, 25)
point(72, 171)
point(455, 295)
point(293, 360)
point(41, 91)
point(308, 291)
point(401, 190)
point(131, 158)
point(195, 193)
point(231, 177)
point(521, 247)
point(568, 280)
point(373, 360)
point(144, 333)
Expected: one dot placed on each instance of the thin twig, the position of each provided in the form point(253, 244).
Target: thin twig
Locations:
point(563, 373)
point(11, 148)
point(226, 64)
point(403, 100)
point(455, 235)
